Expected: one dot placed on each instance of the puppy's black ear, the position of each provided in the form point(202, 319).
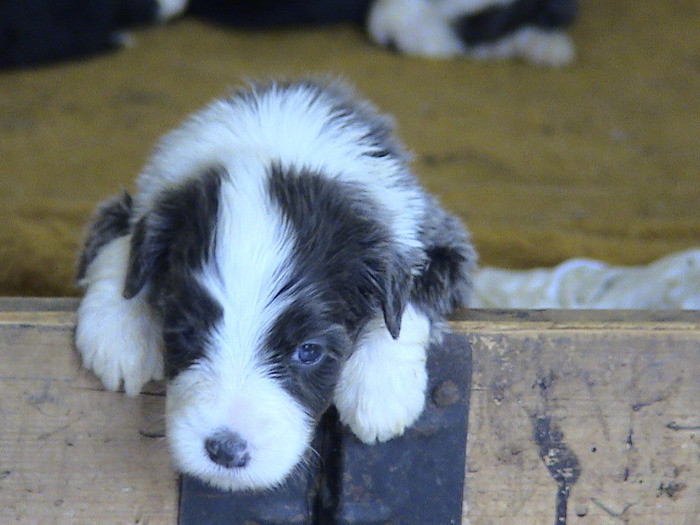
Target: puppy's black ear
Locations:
point(111, 220)
point(148, 252)
point(445, 282)
point(396, 294)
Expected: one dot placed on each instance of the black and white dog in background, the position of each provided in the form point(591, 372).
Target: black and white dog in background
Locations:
point(36, 31)
point(278, 257)
point(533, 30)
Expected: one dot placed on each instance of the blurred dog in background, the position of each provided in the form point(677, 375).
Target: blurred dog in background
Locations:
point(37, 31)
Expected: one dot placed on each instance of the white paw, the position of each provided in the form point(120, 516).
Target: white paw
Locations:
point(382, 386)
point(117, 338)
point(415, 27)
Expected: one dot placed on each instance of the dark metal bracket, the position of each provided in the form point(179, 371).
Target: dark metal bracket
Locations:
point(417, 478)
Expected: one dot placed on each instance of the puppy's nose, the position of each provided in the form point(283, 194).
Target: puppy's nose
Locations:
point(227, 449)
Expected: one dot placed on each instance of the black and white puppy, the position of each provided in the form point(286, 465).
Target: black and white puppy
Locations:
point(533, 30)
point(278, 256)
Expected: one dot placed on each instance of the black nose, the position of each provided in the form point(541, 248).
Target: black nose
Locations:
point(227, 449)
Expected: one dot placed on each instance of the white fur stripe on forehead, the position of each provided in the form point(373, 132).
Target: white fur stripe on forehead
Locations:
point(299, 126)
point(249, 266)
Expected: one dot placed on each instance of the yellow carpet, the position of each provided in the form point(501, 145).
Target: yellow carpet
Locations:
point(600, 159)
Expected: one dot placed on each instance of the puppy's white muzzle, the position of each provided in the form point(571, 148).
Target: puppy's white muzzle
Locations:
point(241, 437)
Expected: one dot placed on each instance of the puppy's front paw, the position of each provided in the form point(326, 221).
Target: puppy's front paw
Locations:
point(382, 386)
point(381, 407)
point(117, 338)
point(116, 343)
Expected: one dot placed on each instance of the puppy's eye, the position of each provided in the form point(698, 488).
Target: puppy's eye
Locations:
point(308, 353)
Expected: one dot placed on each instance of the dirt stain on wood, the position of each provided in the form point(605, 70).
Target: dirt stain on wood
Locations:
point(561, 462)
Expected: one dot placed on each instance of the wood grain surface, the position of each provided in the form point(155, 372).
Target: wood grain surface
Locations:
point(600, 407)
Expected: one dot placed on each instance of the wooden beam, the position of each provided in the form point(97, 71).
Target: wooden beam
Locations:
point(619, 390)
point(622, 389)
point(69, 451)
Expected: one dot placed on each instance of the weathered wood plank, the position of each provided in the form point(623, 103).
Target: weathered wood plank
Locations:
point(70, 452)
point(622, 387)
point(624, 390)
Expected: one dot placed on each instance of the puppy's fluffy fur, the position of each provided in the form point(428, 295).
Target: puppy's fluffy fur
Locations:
point(277, 257)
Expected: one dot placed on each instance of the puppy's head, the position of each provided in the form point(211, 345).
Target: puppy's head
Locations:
point(262, 277)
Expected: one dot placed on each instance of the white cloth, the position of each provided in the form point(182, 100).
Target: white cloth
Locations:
point(672, 282)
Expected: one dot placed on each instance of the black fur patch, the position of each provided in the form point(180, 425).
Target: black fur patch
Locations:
point(111, 220)
point(169, 244)
point(445, 282)
point(302, 322)
point(344, 267)
point(188, 313)
point(494, 23)
point(343, 252)
point(281, 12)
point(40, 31)
point(179, 232)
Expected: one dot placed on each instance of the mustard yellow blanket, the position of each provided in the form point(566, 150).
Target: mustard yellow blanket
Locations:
point(600, 159)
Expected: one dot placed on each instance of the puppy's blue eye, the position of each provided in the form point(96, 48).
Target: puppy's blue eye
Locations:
point(308, 353)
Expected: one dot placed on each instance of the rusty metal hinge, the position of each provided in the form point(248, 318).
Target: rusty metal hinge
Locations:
point(417, 478)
